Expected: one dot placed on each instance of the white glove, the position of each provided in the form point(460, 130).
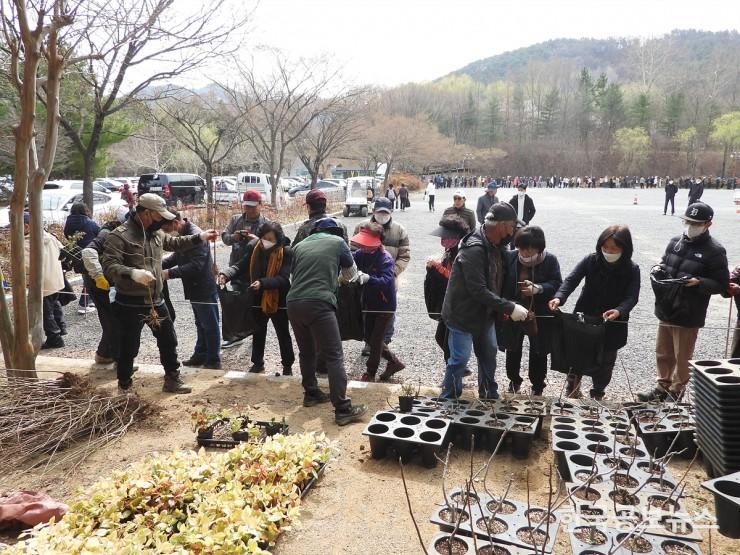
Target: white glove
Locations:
point(363, 278)
point(144, 277)
point(520, 313)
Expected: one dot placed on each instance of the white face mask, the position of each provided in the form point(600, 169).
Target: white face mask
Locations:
point(609, 257)
point(693, 230)
point(267, 245)
point(382, 218)
point(528, 259)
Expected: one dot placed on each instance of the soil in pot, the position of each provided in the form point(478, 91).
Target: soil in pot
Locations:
point(623, 497)
point(613, 462)
point(661, 502)
point(452, 518)
point(530, 536)
point(590, 535)
point(492, 525)
point(537, 515)
point(675, 526)
point(501, 509)
point(673, 547)
point(493, 550)
point(636, 544)
point(660, 485)
point(586, 476)
point(650, 467)
point(447, 546)
point(587, 494)
point(463, 498)
point(625, 481)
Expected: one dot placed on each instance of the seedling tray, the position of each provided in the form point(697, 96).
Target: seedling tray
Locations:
point(406, 434)
point(722, 374)
point(598, 496)
point(312, 481)
point(704, 385)
point(484, 547)
point(612, 537)
point(583, 409)
point(726, 490)
point(512, 516)
point(222, 438)
point(581, 466)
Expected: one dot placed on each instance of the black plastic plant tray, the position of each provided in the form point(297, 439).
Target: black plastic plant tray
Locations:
point(726, 490)
point(660, 444)
point(312, 481)
point(222, 438)
point(605, 502)
point(593, 442)
point(581, 466)
point(717, 454)
point(407, 435)
point(725, 375)
point(484, 547)
point(583, 409)
point(615, 437)
point(513, 515)
point(612, 537)
point(631, 406)
point(717, 410)
point(711, 382)
point(718, 433)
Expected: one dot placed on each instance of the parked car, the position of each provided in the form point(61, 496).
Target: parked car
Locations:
point(225, 189)
point(111, 185)
point(71, 184)
point(341, 183)
point(56, 203)
point(329, 188)
point(176, 188)
point(251, 180)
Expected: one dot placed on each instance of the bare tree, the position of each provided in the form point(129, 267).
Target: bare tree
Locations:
point(133, 46)
point(279, 106)
point(33, 38)
point(334, 128)
point(151, 148)
point(204, 125)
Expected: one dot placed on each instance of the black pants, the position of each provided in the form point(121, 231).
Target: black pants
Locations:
point(442, 338)
point(601, 376)
point(671, 199)
point(282, 329)
point(316, 330)
point(108, 346)
point(130, 321)
point(431, 203)
point(376, 325)
point(52, 316)
point(537, 364)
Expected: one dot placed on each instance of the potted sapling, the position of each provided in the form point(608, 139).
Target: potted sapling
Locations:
point(204, 422)
point(273, 427)
point(406, 397)
point(240, 428)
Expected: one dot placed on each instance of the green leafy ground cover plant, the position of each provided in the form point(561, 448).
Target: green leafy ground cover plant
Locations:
point(235, 502)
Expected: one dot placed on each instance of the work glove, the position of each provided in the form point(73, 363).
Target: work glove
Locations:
point(520, 313)
point(102, 283)
point(362, 278)
point(209, 235)
point(144, 277)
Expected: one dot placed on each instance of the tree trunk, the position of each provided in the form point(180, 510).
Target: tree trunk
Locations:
point(209, 182)
point(724, 160)
point(88, 167)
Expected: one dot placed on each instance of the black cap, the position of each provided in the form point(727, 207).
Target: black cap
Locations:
point(698, 212)
point(451, 227)
point(501, 212)
point(383, 204)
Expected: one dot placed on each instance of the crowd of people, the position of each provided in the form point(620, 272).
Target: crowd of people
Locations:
point(494, 284)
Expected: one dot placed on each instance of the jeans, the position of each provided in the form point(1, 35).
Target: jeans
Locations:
point(316, 329)
point(131, 320)
point(461, 344)
point(208, 342)
point(282, 329)
point(109, 339)
point(53, 318)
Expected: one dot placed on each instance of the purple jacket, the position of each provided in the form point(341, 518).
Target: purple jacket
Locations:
point(379, 293)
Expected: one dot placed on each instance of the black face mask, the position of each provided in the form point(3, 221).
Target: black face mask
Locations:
point(506, 240)
point(155, 226)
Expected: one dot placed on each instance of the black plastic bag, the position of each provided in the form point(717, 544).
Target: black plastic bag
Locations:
point(577, 343)
point(435, 287)
point(349, 312)
point(237, 320)
point(67, 294)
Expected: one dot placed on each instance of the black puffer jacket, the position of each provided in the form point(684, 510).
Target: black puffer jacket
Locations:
point(472, 300)
point(607, 287)
point(702, 258)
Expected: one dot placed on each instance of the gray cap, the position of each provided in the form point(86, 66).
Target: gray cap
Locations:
point(150, 201)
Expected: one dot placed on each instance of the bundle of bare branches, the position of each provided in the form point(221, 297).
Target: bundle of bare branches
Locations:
point(59, 422)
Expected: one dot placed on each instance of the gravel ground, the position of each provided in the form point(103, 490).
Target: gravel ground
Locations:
point(572, 220)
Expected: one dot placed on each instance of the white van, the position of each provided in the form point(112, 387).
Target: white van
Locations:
point(260, 181)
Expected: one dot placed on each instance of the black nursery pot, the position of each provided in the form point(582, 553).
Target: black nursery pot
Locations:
point(241, 435)
point(205, 433)
point(727, 510)
point(405, 403)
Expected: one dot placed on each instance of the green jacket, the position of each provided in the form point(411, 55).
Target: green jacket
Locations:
point(316, 263)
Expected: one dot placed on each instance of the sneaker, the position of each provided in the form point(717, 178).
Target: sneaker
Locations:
point(353, 414)
point(393, 367)
point(257, 368)
point(193, 362)
point(659, 395)
point(314, 398)
point(102, 360)
point(597, 396)
point(232, 343)
point(86, 310)
point(367, 377)
point(175, 385)
point(53, 342)
point(214, 365)
point(62, 330)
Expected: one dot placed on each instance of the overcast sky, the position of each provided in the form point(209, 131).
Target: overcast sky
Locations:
point(387, 42)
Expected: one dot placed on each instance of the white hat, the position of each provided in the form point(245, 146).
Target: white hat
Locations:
point(458, 193)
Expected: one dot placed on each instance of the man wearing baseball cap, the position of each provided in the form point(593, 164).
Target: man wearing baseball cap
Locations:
point(696, 257)
point(132, 259)
point(316, 206)
point(486, 200)
point(458, 209)
point(243, 227)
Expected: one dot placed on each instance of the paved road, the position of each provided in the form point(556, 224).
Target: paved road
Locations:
point(572, 220)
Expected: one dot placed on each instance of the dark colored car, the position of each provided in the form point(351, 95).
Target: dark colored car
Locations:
point(176, 188)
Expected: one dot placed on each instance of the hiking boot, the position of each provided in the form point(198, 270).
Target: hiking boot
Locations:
point(353, 414)
point(367, 377)
point(287, 370)
point(257, 368)
point(393, 367)
point(659, 395)
point(514, 388)
point(102, 360)
point(537, 391)
point(215, 365)
point(174, 384)
point(193, 362)
point(53, 342)
point(125, 387)
point(314, 398)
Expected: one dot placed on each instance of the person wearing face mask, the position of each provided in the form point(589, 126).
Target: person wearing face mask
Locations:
point(486, 200)
point(396, 242)
point(532, 278)
point(473, 302)
point(375, 267)
point(316, 206)
point(194, 266)
point(458, 209)
point(696, 257)
point(670, 196)
point(266, 266)
point(450, 232)
point(611, 290)
point(696, 190)
point(523, 204)
point(132, 259)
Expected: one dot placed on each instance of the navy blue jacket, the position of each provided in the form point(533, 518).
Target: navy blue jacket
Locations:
point(194, 267)
point(80, 222)
point(379, 293)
